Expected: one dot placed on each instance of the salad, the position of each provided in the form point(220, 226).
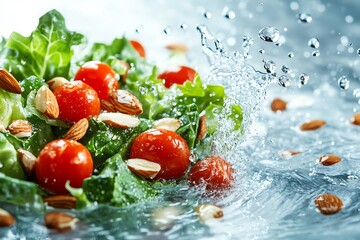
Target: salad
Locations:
point(99, 124)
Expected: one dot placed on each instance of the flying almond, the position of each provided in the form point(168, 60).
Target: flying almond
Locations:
point(328, 159)
point(208, 211)
point(45, 102)
point(312, 125)
point(143, 168)
point(328, 203)
point(78, 130)
point(20, 128)
point(119, 120)
point(355, 119)
point(289, 153)
point(202, 128)
point(6, 219)
point(171, 124)
point(178, 47)
point(278, 105)
point(125, 102)
point(8, 82)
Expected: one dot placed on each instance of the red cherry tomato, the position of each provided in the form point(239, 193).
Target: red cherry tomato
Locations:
point(164, 147)
point(99, 76)
point(138, 47)
point(77, 100)
point(214, 172)
point(178, 75)
point(63, 160)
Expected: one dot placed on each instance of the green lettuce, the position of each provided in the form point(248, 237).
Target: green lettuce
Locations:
point(10, 107)
point(9, 164)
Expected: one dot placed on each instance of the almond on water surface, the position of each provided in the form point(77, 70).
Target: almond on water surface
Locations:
point(125, 102)
point(8, 82)
point(60, 221)
point(328, 204)
point(6, 219)
point(355, 119)
point(56, 82)
point(208, 211)
point(167, 123)
point(60, 201)
point(328, 159)
point(78, 130)
point(278, 105)
point(45, 102)
point(312, 125)
point(289, 153)
point(20, 128)
point(202, 128)
point(119, 120)
point(143, 168)
point(27, 161)
point(178, 47)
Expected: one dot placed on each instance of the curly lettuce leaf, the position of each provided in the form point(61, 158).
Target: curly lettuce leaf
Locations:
point(46, 53)
point(10, 107)
point(9, 164)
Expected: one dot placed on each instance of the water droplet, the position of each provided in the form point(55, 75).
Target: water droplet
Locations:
point(270, 66)
point(207, 14)
point(262, 51)
point(290, 54)
point(183, 26)
point(294, 6)
point(314, 43)
point(269, 34)
point(349, 19)
point(228, 13)
point(344, 40)
point(247, 42)
point(139, 29)
point(231, 41)
point(304, 17)
point(168, 30)
point(304, 78)
point(63, 37)
point(343, 83)
point(358, 51)
point(356, 93)
point(284, 81)
point(316, 53)
point(285, 69)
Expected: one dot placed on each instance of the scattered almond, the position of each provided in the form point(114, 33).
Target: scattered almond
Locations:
point(6, 219)
point(208, 211)
point(119, 120)
point(355, 119)
point(202, 128)
point(60, 201)
point(328, 203)
point(289, 153)
point(78, 130)
point(167, 123)
point(56, 82)
point(312, 125)
point(278, 105)
point(125, 102)
point(143, 168)
point(8, 82)
point(328, 159)
point(45, 102)
point(27, 161)
point(179, 47)
point(60, 221)
point(20, 128)
point(107, 106)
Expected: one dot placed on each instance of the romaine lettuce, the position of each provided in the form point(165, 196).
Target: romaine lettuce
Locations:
point(9, 164)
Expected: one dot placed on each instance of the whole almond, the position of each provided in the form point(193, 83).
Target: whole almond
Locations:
point(289, 153)
point(8, 82)
point(6, 219)
point(56, 82)
point(143, 168)
point(355, 119)
point(312, 125)
point(202, 128)
point(208, 211)
point(60, 201)
point(78, 130)
point(171, 124)
point(179, 47)
point(20, 128)
point(45, 102)
point(27, 161)
point(328, 204)
point(119, 120)
point(125, 102)
point(278, 105)
point(60, 221)
point(107, 106)
point(328, 159)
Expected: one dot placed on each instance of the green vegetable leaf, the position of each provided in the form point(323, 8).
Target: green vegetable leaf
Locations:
point(10, 107)
point(9, 164)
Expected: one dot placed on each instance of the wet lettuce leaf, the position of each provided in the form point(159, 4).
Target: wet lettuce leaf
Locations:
point(9, 164)
point(10, 107)
point(46, 53)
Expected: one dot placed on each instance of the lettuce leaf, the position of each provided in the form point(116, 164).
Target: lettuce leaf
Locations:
point(9, 164)
point(10, 107)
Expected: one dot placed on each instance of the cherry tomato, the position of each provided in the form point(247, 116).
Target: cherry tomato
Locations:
point(177, 75)
point(77, 100)
point(138, 47)
point(63, 160)
point(99, 76)
point(164, 147)
point(214, 172)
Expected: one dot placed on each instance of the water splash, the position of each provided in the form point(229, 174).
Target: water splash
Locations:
point(304, 78)
point(269, 34)
point(314, 43)
point(304, 17)
point(343, 83)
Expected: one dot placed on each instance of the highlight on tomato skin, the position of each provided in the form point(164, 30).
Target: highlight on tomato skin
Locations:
point(213, 172)
point(77, 100)
point(177, 75)
point(60, 161)
point(164, 147)
point(139, 48)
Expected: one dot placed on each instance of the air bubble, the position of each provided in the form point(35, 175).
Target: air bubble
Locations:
point(284, 81)
point(270, 66)
point(343, 83)
point(314, 43)
point(269, 34)
point(304, 78)
point(349, 19)
point(304, 17)
point(294, 6)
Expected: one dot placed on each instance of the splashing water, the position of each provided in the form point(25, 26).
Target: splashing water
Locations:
point(269, 34)
point(314, 43)
point(343, 82)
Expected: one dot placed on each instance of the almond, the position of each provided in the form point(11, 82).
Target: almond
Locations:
point(78, 130)
point(328, 204)
point(56, 82)
point(328, 159)
point(6, 219)
point(355, 119)
point(60, 201)
point(202, 128)
point(164, 218)
point(20, 128)
point(179, 47)
point(125, 102)
point(45, 102)
point(207, 212)
point(27, 161)
point(289, 153)
point(143, 168)
point(278, 105)
point(60, 221)
point(171, 124)
point(312, 125)
point(8, 82)
point(119, 120)
point(107, 106)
